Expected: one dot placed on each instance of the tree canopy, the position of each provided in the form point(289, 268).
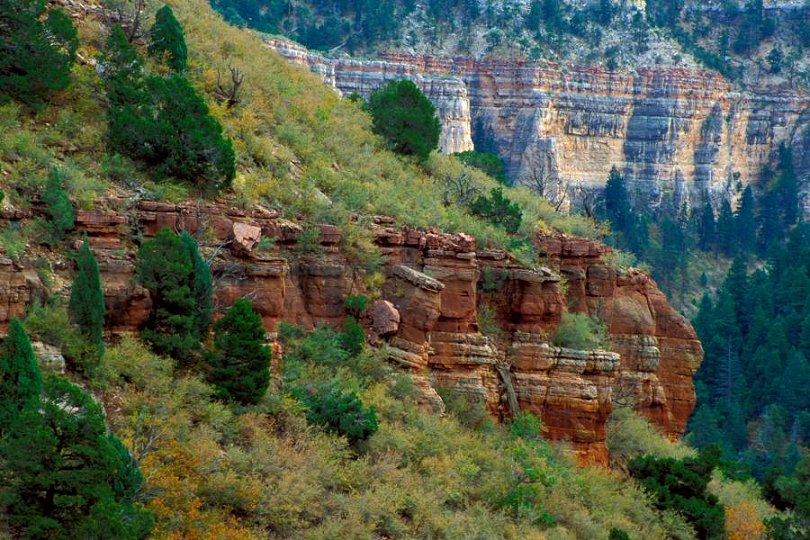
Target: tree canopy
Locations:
point(405, 118)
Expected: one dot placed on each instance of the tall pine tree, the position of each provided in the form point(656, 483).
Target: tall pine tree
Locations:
point(86, 306)
point(726, 230)
point(165, 268)
point(745, 222)
point(167, 41)
point(617, 202)
point(202, 287)
point(707, 228)
point(239, 365)
point(20, 379)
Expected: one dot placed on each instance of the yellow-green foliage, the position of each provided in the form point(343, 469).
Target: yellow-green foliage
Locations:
point(746, 509)
point(313, 155)
point(630, 434)
point(213, 473)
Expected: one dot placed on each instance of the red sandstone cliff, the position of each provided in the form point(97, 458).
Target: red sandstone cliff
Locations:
point(426, 312)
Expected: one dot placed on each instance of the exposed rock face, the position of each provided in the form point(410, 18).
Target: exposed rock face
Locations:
point(659, 348)
point(440, 292)
point(673, 132)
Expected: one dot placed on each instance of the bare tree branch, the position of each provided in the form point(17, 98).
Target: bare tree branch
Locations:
point(229, 93)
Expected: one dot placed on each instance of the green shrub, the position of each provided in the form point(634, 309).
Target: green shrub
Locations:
point(50, 323)
point(487, 323)
point(490, 164)
point(470, 413)
point(341, 412)
point(618, 534)
point(405, 118)
point(13, 243)
point(356, 304)
point(630, 435)
point(239, 364)
point(353, 337)
point(581, 331)
point(498, 210)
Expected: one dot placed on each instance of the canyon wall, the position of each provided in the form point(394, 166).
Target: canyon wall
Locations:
point(439, 294)
point(680, 136)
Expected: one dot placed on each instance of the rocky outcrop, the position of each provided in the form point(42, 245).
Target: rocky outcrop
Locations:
point(675, 133)
point(659, 349)
point(459, 318)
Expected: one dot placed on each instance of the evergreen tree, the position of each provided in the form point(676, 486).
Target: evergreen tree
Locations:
point(59, 207)
point(86, 306)
point(535, 17)
point(20, 379)
point(787, 186)
point(617, 202)
point(202, 287)
point(499, 210)
point(167, 41)
point(129, 114)
point(185, 141)
point(163, 122)
point(706, 228)
point(63, 476)
point(239, 365)
point(746, 227)
point(726, 231)
point(682, 486)
point(36, 53)
point(795, 381)
point(404, 117)
point(166, 269)
point(771, 228)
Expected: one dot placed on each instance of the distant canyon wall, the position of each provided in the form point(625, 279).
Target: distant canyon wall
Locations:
point(679, 135)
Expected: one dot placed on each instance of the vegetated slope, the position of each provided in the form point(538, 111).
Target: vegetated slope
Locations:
point(216, 469)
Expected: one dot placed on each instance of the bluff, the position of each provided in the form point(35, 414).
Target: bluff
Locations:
point(436, 289)
point(678, 135)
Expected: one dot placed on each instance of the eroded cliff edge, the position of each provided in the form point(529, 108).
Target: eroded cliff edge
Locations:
point(680, 136)
point(427, 310)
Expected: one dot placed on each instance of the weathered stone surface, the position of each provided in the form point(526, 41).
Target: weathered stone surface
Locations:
point(50, 358)
point(678, 135)
point(245, 238)
point(384, 318)
point(659, 349)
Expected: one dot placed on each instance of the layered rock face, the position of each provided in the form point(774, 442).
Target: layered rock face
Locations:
point(455, 316)
point(678, 135)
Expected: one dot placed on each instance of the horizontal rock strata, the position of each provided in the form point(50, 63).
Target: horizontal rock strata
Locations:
point(458, 318)
point(679, 135)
